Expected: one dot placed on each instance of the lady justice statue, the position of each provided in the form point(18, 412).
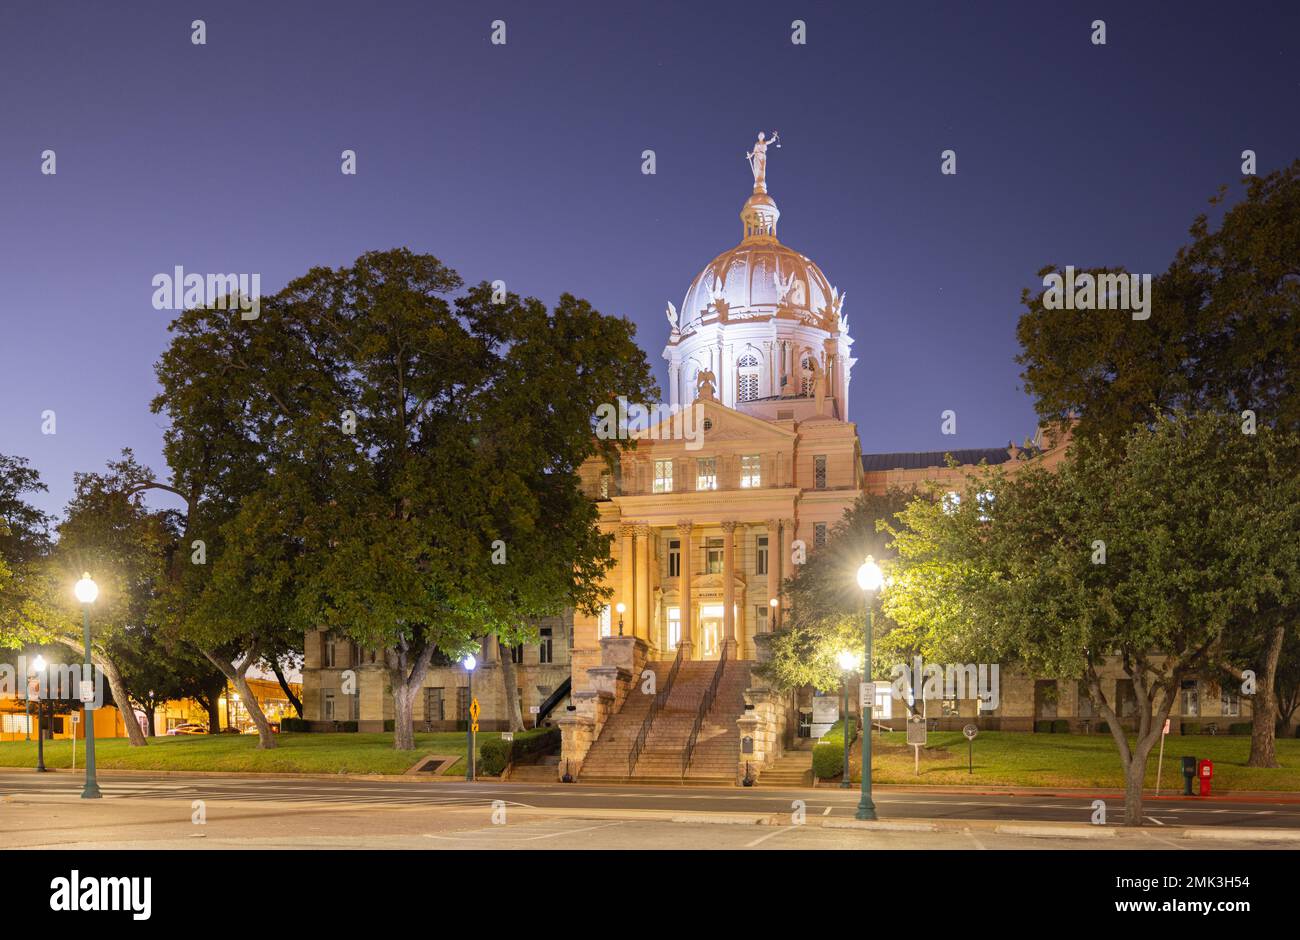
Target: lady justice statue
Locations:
point(758, 159)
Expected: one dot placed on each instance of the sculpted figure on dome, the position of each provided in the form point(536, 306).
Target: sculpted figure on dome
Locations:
point(704, 384)
point(671, 314)
point(758, 160)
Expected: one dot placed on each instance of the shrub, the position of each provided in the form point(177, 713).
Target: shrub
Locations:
point(1042, 727)
point(1239, 727)
point(1190, 727)
point(294, 724)
point(1102, 727)
point(493, 756)
point(347, 727)
point(1060, 726)
point(828, 753)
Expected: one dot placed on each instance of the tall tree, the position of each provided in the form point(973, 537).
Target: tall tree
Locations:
point(826, 615)
point(1152, 551)
point(1220, 335)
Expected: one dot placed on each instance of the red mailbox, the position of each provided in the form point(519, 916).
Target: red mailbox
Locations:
point(1205, 771)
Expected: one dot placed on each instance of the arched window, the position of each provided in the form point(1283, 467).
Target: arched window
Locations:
point(747, 378)
point(806, 381)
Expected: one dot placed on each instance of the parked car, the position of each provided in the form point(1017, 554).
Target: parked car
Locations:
point(188, 728)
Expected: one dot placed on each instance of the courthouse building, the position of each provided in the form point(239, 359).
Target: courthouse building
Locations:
point(707, 517)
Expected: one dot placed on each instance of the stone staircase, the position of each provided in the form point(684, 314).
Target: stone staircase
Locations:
point(717, 747)
point(792, 770)
point(547, 770)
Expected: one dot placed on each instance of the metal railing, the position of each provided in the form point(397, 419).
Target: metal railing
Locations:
point(661, 696)
point(706, 703)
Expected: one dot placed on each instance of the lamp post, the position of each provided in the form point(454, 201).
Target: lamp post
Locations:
point(847, 662)
point(469, 663)
point(871, 580)
point(38, 665)
point(86, 591)
point(620, 607)
point(771, 620)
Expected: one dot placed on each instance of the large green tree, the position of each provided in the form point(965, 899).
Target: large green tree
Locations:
point(826, 613)
point(392, 464)
point(1152, 549)
point(1221, 335)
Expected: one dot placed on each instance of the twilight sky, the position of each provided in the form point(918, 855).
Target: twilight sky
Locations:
point(523, 162)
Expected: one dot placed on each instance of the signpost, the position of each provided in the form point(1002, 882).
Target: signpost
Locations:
point(1160, 764)
point(76, 720)
point(916, 737)
point(507, 735)
point(970, 731)
point(535, 711)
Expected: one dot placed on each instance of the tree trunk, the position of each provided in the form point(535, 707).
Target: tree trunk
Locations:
point(133, 730)
point(284, 686)
point(237, 672)
point(1134, 777)
point(406, 682)
point(513, 713)
point(1263, 722)
point(213, 708)
point(150, 714)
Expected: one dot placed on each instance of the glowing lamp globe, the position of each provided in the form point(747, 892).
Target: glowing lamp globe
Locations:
point(470, 662)
point(848, 661)
point(86, 590)
point(870, 577)
point(39, 663)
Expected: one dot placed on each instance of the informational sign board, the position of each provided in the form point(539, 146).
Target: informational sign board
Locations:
point(534, 709)
point(76, 718)
point(747, 745)
point(916, 731)
point(87, 692)
point(826, 711)
point(507, 735)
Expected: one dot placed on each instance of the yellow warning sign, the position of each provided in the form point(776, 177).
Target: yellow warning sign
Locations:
point(474, 712)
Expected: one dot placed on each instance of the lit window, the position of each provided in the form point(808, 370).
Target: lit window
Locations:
point(663, 476)
point(819, 534)
point(819, 471)
point(751, 473)
point(674, 627)
point(706, 475)
point(605, 621)
point(760, 618)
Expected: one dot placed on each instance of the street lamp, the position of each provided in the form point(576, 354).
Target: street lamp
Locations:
point(469, 663)
point(38, 666)
point(847, 662)
point(620, 607)
point(86, 591)
point(871, 579)
point(774, 604)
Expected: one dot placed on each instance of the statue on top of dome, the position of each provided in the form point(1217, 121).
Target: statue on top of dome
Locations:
point(758, 159)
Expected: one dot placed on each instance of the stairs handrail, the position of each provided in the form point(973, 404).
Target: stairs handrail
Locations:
point(661, 696)
point(706, 703)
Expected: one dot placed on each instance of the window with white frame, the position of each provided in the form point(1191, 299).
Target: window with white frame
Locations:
point(663, 476)
point(1229, 702)
point(760, 618)
point(674, 558)
point(747, 378)
point(606, 621)
point(751, 471)
point(674, 627)
point(1191, 695)
point(760, 555)
point(706, 473)
point(713, 556)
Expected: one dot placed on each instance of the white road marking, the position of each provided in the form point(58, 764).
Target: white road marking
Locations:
point(770, 835)
point(978, 844)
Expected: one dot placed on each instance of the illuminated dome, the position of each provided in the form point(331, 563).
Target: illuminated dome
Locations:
point(759, 276)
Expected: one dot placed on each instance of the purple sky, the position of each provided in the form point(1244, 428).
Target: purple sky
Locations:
point(523, 162)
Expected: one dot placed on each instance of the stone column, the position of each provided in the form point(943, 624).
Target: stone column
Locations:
point(641, 622)
point(788, 536)
point(687, 618)
point(627, 568)
point(729, 584)
point(773, 572)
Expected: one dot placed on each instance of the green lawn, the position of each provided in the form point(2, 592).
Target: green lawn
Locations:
point(297, 753)
point(1071, 760)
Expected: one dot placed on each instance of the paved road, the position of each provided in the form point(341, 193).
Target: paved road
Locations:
point(818, 803)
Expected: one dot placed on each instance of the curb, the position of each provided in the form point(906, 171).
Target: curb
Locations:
point(1056, 832)
point(881, 825)
point(1248, 835)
